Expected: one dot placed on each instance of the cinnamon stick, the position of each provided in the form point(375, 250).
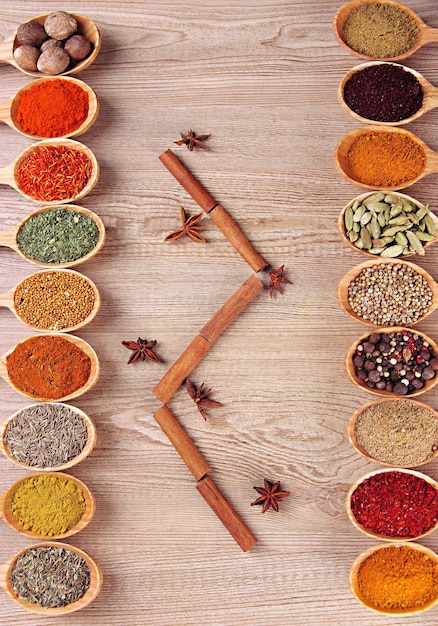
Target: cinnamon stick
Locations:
point(231, 309)
point(218, 214)
point(225, 512)
point(194, 352)
point(185, 363)
point(186, 179)
point(182, 442)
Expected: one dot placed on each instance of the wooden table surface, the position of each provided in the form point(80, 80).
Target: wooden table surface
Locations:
point(262, 78)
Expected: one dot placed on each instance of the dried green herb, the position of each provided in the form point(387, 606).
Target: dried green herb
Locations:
point(51, 577)
point(58, 235)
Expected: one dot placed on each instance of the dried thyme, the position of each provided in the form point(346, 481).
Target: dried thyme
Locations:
point(51, 577)
point(58, 235)
point(45, 435)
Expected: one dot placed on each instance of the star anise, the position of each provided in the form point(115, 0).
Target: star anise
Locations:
point(200, 397)
point(142, 349)
point(270, 495)
point(191, 140)
point(189, 228)
point(276, 278)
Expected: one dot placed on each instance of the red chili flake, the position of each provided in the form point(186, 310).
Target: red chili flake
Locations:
point(395, 504)
point(54, 173)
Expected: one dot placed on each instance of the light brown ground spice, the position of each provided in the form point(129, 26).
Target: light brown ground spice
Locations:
point(380, 30)
point(400, 433)
point(54, 300)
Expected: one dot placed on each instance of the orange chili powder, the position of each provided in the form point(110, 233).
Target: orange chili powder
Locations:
point(385, 159)
point(52, 108)
point(48, 367)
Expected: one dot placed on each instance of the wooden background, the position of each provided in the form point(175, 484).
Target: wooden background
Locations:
point(262, 78)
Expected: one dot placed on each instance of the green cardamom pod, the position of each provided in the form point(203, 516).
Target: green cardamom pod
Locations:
point(392, 251)
point(414, 242)
point(348, 219)
point(366, 238)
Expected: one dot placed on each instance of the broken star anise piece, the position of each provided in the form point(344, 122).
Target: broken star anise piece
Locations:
point(189, 228)
point(275, 279)
point(142, 349)
point(200, 397)
point(270, 495)
point(191, 140)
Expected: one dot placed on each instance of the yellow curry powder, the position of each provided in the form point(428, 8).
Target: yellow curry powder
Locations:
point(400, 578)
point(47, 505)
point(385, 159)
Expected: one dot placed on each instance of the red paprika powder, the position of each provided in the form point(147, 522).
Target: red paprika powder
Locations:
point(48, 367)
point(395, 504)
point(52, 108)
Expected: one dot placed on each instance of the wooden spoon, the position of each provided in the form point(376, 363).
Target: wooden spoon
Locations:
point(8, 516)
point(364, 196)
point(8, 300)
point(85, 27)
point(86, 450)
point(355, 522)
point(9, 174)
point(358, 412)
point(350, 369)
point(427, 553)
point(91, 593)
point(343, 165)
point(77, 341)
point(344, 283)
point(430, 94)
point(426, 33)
point(8, 108)
point(9, 237)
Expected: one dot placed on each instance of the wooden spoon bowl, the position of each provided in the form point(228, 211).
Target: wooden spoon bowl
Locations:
point(9, 174)
point(430, 94)
point(86, 450)
point(91, 593)
point(351, 373)
point(426, 33)
point(344, 168)
point(364, 530)
point(346, 280)
point(362, 597)
point(384, 401)
point(8, 516)
point(86, 27)
point(8, 300)
point(364, 196)
point(8, 238)
point(8, 108)
point(77, 341)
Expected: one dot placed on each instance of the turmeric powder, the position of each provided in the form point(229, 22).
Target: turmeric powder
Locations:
point(398, 579)
point(384, 159)
point(47, 505)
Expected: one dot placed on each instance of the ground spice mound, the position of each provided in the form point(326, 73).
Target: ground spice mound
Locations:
point(385, 159)
point(401, 433)
point(52, 108)
point(48, 367)
point(399, 578)
point(383, 93)
point(380, 30)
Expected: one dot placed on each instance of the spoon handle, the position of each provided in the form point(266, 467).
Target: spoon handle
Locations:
point(9, 238)
point(7, 176)
point(431, 99)
point(431, 162)
point(5, 112)
point(7, 300)
point(429, 34)
point(6, 53)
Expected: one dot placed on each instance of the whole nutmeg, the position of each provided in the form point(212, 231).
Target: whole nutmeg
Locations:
point(50, 43)
point(78, 47)
point(31, 34)
point(27, 57)
point(60, 25)
point(53, 61)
